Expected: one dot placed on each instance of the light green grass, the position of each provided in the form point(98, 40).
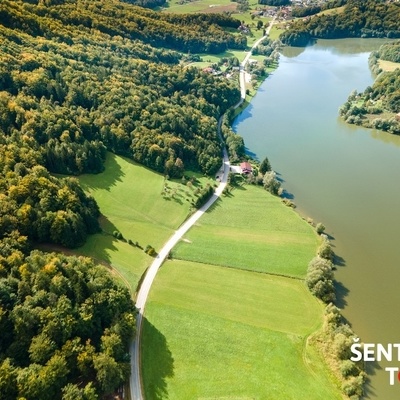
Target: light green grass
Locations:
point(217, 333)
point(251, 230)
point(129, 197)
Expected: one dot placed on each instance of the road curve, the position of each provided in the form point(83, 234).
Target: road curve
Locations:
point(135, 379)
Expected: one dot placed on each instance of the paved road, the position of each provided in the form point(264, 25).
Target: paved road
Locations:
point(242, 71)
point(135, 380)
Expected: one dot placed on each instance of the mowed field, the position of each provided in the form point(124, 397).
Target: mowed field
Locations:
point(237, 330)
point(251, 230)
point(130, 200)
point(217, 333)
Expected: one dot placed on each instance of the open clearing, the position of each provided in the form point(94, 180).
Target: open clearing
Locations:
point(388, 66)
point(130, 199)
point(212, 332)
point(251, 230)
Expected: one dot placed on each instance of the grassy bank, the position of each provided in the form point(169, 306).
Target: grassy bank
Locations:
point(214, 332)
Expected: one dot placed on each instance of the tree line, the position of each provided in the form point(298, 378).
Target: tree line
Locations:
point(370, 18)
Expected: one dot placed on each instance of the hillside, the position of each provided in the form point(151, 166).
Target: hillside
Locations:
point(379, 105)
point(76, 80)
point(371, 18)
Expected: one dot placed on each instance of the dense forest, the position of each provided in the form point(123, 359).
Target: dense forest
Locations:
point(65, 326)
point(379, 105)
point(360, 18)
point(77, 86)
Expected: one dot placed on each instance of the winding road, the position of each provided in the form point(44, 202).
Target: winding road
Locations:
point(135, 379)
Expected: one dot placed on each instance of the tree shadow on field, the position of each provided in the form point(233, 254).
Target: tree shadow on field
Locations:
point(106, 179)
point(159, 363)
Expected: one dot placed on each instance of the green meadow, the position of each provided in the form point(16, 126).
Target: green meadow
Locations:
point(218, 333)
point(132, 201)
point(251, 230)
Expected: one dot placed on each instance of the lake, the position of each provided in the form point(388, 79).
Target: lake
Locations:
point(341, 175)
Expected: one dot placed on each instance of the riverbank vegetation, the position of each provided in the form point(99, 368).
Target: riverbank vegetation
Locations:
point(379, 105)
point(359, 18)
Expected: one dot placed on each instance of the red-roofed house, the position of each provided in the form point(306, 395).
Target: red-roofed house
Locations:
point(246, 168)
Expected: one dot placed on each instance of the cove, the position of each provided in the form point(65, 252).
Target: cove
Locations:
point(344, 176)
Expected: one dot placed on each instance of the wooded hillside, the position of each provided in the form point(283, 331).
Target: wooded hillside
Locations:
point(360, 18)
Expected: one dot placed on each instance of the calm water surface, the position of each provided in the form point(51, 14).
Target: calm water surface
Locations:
point(341, 175)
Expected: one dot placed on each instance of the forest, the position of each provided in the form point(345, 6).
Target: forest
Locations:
point(360, 18)
point(79, 79)
point(67, 99)
point(379, 104)
point(65, 326)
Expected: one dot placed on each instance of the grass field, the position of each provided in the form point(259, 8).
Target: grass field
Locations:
point(217, 333)
point(388, 66)
point(130, 199)
point(251, 230)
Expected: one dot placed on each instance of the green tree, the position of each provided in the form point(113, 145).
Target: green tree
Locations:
point(265, 166)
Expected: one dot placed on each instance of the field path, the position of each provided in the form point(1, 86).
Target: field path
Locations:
point(135, 379)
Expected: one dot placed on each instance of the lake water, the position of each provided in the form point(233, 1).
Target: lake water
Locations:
point(341, 175)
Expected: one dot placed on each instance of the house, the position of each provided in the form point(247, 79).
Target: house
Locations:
point(208, 70)
point(246, 168)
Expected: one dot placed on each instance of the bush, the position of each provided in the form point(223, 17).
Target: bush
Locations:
point(271, 184)
point(150, 250)
point(320, 228)
point(325, 250)
point(348, 368)
point(319, 279)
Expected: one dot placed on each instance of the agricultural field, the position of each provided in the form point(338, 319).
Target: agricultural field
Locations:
point(213, 332)
point(251, 230)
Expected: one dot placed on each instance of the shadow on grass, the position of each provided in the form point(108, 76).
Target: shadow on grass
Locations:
point(157, 362)
point(105, 180)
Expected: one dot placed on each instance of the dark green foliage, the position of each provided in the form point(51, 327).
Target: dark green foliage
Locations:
point(382, 98)
point(301, 12)
point(234, 142)
point(146, 3)
point(276, 3)
point(38, 205)
point(294, 37)
point(390, 52)
point(66, 321)
point(90, 85)
point(203, 196)
point(361, 18)
point(265, 166)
